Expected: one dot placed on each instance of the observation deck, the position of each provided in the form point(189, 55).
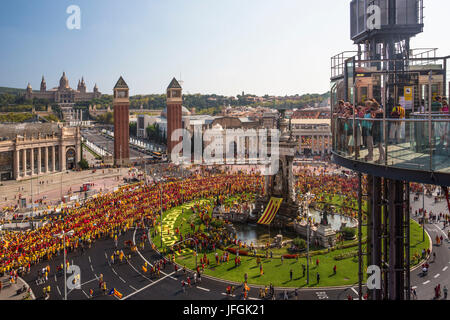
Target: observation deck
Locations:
point(414, 147)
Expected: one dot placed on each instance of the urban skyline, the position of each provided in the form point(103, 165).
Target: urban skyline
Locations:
point(263, 47)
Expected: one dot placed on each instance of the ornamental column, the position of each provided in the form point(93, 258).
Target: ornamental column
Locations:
point(24, 162)
point(46, 159)
point(62, 158)
point(16, 164)
point(53, 159)
point(39, 161)
point(32, 161)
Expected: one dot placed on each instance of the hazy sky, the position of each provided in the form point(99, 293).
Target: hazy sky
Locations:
point(217, 46)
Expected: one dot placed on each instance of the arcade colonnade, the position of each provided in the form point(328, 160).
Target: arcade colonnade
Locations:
point(320, 144)
point(39, 154)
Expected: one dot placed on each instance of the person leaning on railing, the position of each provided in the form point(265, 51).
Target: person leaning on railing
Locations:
point(339, 129)
point(348, 127)
point(377, 128)
point(394, 136)
point(366, 127)
point(444, 128)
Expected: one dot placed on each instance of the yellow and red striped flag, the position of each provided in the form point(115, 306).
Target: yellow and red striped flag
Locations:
point(271, 211)
point(117, 294)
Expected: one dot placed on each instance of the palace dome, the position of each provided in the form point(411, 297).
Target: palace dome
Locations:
point(64, 82)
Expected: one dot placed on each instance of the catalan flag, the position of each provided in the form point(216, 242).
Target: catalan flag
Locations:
point(271, 211)
point(114, 292)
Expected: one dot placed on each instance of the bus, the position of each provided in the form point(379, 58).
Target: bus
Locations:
point(157, 155)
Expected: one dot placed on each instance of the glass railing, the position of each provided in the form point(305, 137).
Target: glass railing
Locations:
point(421, 142)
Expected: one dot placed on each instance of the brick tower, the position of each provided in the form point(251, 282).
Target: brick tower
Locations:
point(121, 104)
point(174, 113)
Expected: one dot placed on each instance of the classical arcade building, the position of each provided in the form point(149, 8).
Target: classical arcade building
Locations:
point(33, 149)
point(63, 94)
point(313, 136)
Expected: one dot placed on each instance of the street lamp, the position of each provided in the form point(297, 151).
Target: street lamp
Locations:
point(63, 235)
point(423, 213)
point(161, 194)
point(308, 231)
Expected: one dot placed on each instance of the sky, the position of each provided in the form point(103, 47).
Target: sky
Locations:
point(275, 47)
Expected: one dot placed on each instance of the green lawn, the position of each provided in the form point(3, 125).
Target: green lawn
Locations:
point(276, 272)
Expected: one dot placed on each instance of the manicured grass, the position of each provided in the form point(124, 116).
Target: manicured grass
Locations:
point(276, 272)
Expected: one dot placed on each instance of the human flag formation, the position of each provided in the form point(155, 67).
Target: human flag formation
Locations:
point(271, 211)
point(116, 293)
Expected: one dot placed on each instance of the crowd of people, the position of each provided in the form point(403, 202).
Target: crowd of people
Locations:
point(361, 127)
point(109, 214)
point(324, 184)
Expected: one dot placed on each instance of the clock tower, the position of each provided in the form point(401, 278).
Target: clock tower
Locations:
point(121, 102)
point(174, 114)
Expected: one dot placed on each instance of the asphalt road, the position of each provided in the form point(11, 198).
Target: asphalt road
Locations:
point(129, 280)
point(100, 140)
point(439, 271)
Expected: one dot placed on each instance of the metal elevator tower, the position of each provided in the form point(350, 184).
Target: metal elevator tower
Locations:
point(382, 30)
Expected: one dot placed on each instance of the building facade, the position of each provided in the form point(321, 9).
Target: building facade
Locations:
point(121, 102)
point(313, 136)
point(63, 94)
point(33, 149)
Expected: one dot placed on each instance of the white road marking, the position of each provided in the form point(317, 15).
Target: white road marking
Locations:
point(89, 258)
point(122, 279)
point(114, 271)
point(436, 275)
point(445, 268)
point(57, 288)
point(56, 279)
point(204, 289)
point(353, 289)
point(132, 287)
point(232, 295)
point(427, 282)
point(250, 298)
point(146, 287)
point(139, 272)
point(85, 294)
point(92, 268)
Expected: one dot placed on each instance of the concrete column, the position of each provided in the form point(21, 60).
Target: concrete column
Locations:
point(16, 164)
point(46, 159)
point(39, 161)
point(62, 158)
point(24, 162)
point(53, 159)
point(32, 161)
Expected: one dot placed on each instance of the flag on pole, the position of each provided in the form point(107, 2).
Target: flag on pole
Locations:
point(271, 211)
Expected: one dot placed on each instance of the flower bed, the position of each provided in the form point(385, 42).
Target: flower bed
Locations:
point(290, 256)
point(241, 252)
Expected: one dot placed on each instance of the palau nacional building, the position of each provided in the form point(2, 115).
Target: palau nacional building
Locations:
point(63, 94)
point(29, 150)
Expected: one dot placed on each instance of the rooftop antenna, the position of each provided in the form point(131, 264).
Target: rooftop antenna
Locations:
point(181, 82)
